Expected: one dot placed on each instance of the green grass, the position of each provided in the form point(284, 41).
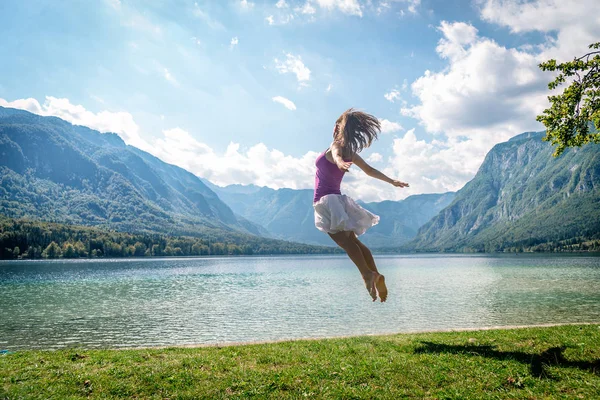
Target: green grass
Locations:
point(528, 363)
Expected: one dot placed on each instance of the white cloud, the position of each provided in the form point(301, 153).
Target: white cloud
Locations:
point(383, 7)
point(116, 4)
point(348, 7)
point(351, 7)
point(538, 15)
point(280, 19)
point(457, 36)
point(306, 9)
point(430, 167)
point(121, 123)
point(293, 64)
point(246, 5)
point(203, 15)
point(389, 126)
point(286, 102)
point(575, 24)
point(329, 87)
point(392, 96)
point(31, 105)
point(283, 14)
point(413, 5)
point(234, 42)
point(395, 94)
point(169, 77)
point(375, 157)
point(487, 89)
point(258, 165)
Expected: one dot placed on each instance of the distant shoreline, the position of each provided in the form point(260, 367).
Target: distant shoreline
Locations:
point(32, 240)
point(341, 255)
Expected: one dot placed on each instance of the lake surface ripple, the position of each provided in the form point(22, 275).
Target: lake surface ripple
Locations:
point(152, 302)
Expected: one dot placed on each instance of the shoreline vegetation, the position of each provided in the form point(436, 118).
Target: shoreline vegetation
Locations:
point(533, 362)
point(33, 239)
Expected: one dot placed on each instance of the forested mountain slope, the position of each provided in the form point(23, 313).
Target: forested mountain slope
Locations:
point(520, 197)
point(55, 171)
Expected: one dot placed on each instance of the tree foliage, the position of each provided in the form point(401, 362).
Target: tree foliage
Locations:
point(568, 119)
point(21, 238)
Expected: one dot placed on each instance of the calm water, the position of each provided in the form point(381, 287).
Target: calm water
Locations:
point(122, 303)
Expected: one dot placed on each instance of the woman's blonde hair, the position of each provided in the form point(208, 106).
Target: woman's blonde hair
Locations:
point(355, 130)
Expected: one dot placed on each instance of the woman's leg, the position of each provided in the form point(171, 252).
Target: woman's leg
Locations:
point(346, 240)
point(380, 281)
point(366, 252)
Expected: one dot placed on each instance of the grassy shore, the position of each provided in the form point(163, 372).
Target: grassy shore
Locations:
point(528, 363)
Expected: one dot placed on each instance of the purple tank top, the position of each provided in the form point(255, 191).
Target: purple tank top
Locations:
point(327, 179)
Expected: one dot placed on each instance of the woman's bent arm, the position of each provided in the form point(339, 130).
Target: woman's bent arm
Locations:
point(336, 153)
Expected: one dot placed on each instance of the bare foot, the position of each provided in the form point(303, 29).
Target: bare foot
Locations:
point(381, 288)
point(370, 284)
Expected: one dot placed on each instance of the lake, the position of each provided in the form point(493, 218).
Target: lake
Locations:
point(177, 301)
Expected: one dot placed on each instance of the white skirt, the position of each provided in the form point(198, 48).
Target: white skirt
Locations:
point(338, 212)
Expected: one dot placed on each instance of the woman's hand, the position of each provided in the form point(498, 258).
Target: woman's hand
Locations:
point(344, 165)
point(399, 184)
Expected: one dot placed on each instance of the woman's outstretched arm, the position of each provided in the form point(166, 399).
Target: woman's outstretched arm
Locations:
point(374, 173)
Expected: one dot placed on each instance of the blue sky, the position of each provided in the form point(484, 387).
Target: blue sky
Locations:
point(247, 92)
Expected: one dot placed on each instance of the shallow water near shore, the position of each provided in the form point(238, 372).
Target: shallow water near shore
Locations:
point(161, 302)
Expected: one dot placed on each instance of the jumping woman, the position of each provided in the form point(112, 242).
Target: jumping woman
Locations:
point(337, 214)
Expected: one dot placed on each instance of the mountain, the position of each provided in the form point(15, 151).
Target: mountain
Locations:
point(285, 213)
point(288, 214)
point(520, 197)
point(400, 220)
point(55, 171)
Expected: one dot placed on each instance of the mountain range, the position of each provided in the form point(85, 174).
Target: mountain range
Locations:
point(521, 196)
point(58, 172)
point(288, 214)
